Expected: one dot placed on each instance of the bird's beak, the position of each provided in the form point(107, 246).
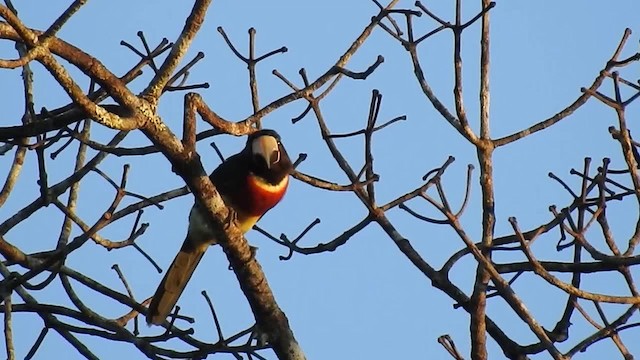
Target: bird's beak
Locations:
point(267, 148)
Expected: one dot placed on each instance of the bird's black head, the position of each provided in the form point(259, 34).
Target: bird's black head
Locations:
point(269, 159)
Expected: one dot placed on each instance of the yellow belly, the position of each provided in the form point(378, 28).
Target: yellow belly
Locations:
point(245, 223)
point(200, 228)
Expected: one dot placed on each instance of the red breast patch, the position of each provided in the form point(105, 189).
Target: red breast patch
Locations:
point(262, 195)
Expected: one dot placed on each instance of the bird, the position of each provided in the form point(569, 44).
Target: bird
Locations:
point(250, 182)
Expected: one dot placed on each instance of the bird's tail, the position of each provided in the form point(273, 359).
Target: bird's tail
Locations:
point(174, 281)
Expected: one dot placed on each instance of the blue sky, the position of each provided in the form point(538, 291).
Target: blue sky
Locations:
point(365, 300)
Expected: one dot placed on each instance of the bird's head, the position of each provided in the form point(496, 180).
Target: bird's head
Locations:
point(269, 159)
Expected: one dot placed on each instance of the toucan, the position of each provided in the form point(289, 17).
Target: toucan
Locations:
point(250, 182)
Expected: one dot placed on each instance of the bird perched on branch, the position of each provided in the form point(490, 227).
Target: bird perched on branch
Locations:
point(251, 183)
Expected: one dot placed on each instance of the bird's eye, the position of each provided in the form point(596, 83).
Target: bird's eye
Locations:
point(275, 157)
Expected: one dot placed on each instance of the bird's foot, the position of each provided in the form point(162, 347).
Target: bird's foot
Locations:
point(254, 251)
